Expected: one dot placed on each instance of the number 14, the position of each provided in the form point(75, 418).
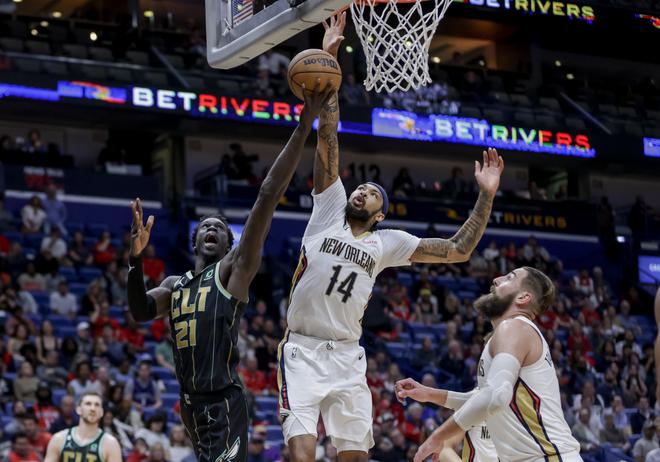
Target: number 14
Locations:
point(346, 287)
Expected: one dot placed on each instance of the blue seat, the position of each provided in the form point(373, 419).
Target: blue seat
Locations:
point(67, 331)
point(397, 350)
point(116, 312)
point(95, 229)
point(68, 273)
point(33, 240)
point(42, 298)
point(273, 433)
point(58, 394)
point(405, 279)
point(172, 386)
point(266, 403)
point(74, 226)
point(169, 399)
point(89, 273)
point(162, 373)
point(13, 236)
point(78, 288)
point(60, 321)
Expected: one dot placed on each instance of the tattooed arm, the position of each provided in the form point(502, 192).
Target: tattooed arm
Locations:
point(326, 162)
point(459, 247)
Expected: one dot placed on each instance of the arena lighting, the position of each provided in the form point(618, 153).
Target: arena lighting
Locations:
point(56, 14)
point(349, 49)
point(570, 76)
point(148, 14)
point(621, 239)
point(43, 23)
point(18, 1)
point(557, 63)
point(34, 32)
point(93, 36)
point(437, 60)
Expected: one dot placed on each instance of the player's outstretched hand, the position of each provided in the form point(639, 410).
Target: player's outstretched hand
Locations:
point(410, 388)
point(314, 101)
point(334, 33)
point(432, 447)
point(488, 174)
point(139, 232)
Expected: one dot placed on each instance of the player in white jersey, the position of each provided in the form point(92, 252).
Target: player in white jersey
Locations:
point(518, 394)
point(322, 367)
point(477, 443)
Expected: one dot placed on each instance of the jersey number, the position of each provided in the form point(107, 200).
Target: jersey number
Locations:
point(346, 287)
point(184, 330)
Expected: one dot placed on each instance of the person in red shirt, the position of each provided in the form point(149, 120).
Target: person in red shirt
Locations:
point(132, 333)
point(44, 410)
point(104, 252)
point(154, 267)
point(412, 426)
point(253, 378)
point(21, 449)
point(4, 245)
point(577, 339)
point(99, 319)
point(38, 438)
point(590, 314)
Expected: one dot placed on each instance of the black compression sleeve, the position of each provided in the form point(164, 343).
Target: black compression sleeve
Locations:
point(142, 306)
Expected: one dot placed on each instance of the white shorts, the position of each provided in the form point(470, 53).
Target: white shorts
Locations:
point(478, 446)
point(328, 378)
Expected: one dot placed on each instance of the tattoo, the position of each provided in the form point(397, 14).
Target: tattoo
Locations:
point(460, 246)
point(467, 238)
point(326, 164)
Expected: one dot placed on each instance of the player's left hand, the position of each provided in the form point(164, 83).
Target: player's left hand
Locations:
point(334, 33)
point(488, 174)
point(315, 100)
point(432, 447)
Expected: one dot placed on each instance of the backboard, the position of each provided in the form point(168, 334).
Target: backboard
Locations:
point(237, 33)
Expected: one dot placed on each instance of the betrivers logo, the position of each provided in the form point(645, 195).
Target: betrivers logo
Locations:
point(231, 453)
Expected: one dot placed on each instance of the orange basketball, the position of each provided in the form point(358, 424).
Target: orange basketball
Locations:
point(308, 66)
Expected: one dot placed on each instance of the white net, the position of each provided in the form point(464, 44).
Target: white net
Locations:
point(396, 39)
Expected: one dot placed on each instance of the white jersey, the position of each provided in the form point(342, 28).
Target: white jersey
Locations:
point(337, 271)
point(532, 428)
point(478, 445)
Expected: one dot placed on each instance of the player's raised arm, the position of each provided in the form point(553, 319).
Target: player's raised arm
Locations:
point(326, 162)
point(246, 258)
point(459, 247)
point(144, 306)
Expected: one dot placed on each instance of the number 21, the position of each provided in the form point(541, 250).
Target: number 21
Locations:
point(182, 328)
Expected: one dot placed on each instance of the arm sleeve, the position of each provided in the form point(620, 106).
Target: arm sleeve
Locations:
point(328, 208)
point(456, 400)
point(142, 306)
point(398, 247)
point(493, 397)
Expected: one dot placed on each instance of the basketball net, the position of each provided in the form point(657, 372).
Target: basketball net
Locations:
point(396, 39)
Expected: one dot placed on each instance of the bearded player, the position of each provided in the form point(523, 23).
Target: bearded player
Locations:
point(518, 395)
point(86, 442)
point(205, 305)
point(322, 367)
point(477, 444)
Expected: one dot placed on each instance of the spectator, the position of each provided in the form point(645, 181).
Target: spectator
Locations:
point(47, 341)
point(180, 445)
point(452, 362)
point(653, 456)
point(253, 378)
point(262, 86)
point(455, 187)
point(114, 427)
point(26, 383)
point(621, 420)
point(643, 414)
point(84, 382)
point(68, 417)
point(55, 244)
point(38, 438)
point(32, 281)
point(273, 61)
point(45, 263)
point(92, 300)
point(51, 372)
point(100, 319)
point(425, 356)
point(637, 220)
point(79, 254)
point(157, 453)
point(633, 385)
point(33, 216)
point(426, 308)
point(403, 185)
point(583, 433)
point(611, 434)
point(64, 302)
point(164, 350)
point(104, 251)
point(140, 451)
point(155, 431)
point(33, 143)
point(84, 339)
point(55, 211)
point(154, 267)
point(646, 443)
point(143, 390)
point(256, 448)
point(22, 450)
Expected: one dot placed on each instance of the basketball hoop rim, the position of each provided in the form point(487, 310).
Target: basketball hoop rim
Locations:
point(364, 2)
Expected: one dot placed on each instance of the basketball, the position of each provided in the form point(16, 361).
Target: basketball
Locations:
point(308, 66)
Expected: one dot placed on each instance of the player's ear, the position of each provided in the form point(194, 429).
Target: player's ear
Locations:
point(380, 216)
point(523, 298)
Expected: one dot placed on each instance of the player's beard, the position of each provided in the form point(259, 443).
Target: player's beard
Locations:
point(354, 213)
point(90, 420)
point(492, 305)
